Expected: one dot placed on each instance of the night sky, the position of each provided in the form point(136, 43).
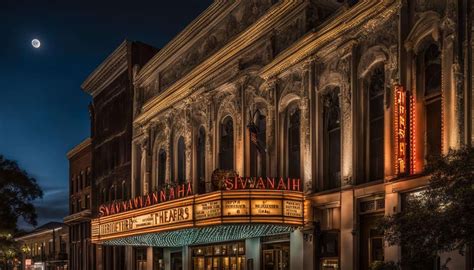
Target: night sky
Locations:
point(43, 111)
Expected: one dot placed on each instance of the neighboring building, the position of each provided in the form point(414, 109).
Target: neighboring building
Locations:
point(111, 131)
point(45, 248)
point(81, 250)
point(344, 102)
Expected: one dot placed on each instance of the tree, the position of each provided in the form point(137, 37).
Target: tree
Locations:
point(17, 192)
point(441, 217)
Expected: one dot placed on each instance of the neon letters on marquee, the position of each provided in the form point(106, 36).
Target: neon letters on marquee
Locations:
point(150, 199)
point(271, 183)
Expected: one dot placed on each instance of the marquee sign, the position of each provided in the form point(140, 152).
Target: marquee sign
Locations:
point(163, 195)
point(215, 208)
point(185, 190)
point(400, 120)
point(271, 183)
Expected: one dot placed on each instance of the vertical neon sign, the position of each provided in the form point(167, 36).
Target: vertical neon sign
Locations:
point(400, 121)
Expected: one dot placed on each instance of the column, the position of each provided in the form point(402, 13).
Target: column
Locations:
point(253, 249)
point(187, 258)
point(296, 249)
point(347, 229)
point(129, 261)
point(306, 143)
point(149, 258)
point(133, 179)
point(308, 250)
point(271, 128)
point(452, 81)
point(392, 206)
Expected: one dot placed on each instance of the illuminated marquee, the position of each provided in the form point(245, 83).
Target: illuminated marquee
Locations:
point(271, 183)
point(164, 195)
point(400, 121)
point(280, 207)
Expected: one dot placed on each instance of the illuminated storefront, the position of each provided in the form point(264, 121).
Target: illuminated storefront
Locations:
point(212, 226)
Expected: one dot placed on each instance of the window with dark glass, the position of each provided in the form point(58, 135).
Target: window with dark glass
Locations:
point(376, 87)
point(88, 177)
point(293, 141)
point(226, 151)
point(201, 160)
point(432, 87)
point(72, 189)
point(124, 190)
point(161, 168)
point(88, 202)
point(332, 139)
point(104, 195)
point(112, 193)
point(181, 160)
point(258, 145)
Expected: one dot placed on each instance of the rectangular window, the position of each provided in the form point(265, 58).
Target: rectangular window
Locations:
point(433, 128)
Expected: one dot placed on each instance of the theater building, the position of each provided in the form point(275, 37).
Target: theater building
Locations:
point(274, 134)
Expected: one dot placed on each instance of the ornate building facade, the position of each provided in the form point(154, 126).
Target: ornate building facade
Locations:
point(322, 111)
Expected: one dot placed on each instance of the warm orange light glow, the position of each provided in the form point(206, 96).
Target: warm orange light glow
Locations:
point(412, 135)
point(400, 129)
point(220, 207)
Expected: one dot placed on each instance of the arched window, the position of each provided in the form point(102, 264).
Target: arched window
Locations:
point(258, 145)
point(161, 175)
point(88, 176)
point(73, 184)
point(112, 193)
point(376, 87)
point(181, 156)
point(78, 183)
point(104, 195)
point(292, 120)
point(226, 150)
point(431, 67)
point(201, 160)
point(332, 139)
point(124, 191)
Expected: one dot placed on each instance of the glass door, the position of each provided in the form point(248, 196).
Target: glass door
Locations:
point(276, 256)
point(176, 261)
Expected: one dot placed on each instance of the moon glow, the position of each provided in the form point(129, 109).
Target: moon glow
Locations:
point(35, 43)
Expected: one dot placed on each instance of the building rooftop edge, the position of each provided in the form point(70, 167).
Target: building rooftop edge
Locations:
point(176, 43)
point(76, 149)
point(108, 70)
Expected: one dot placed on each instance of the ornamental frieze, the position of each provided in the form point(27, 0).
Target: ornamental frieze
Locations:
point(239, 19)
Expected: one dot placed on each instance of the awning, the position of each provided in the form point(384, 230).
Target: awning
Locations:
point(205, 235)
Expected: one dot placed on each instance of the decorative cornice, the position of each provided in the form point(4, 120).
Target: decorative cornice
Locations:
point(84, 215)
point(112, 67)
point(339, 26)
point(183, 86)
point(78, 148)
point(185, 38)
